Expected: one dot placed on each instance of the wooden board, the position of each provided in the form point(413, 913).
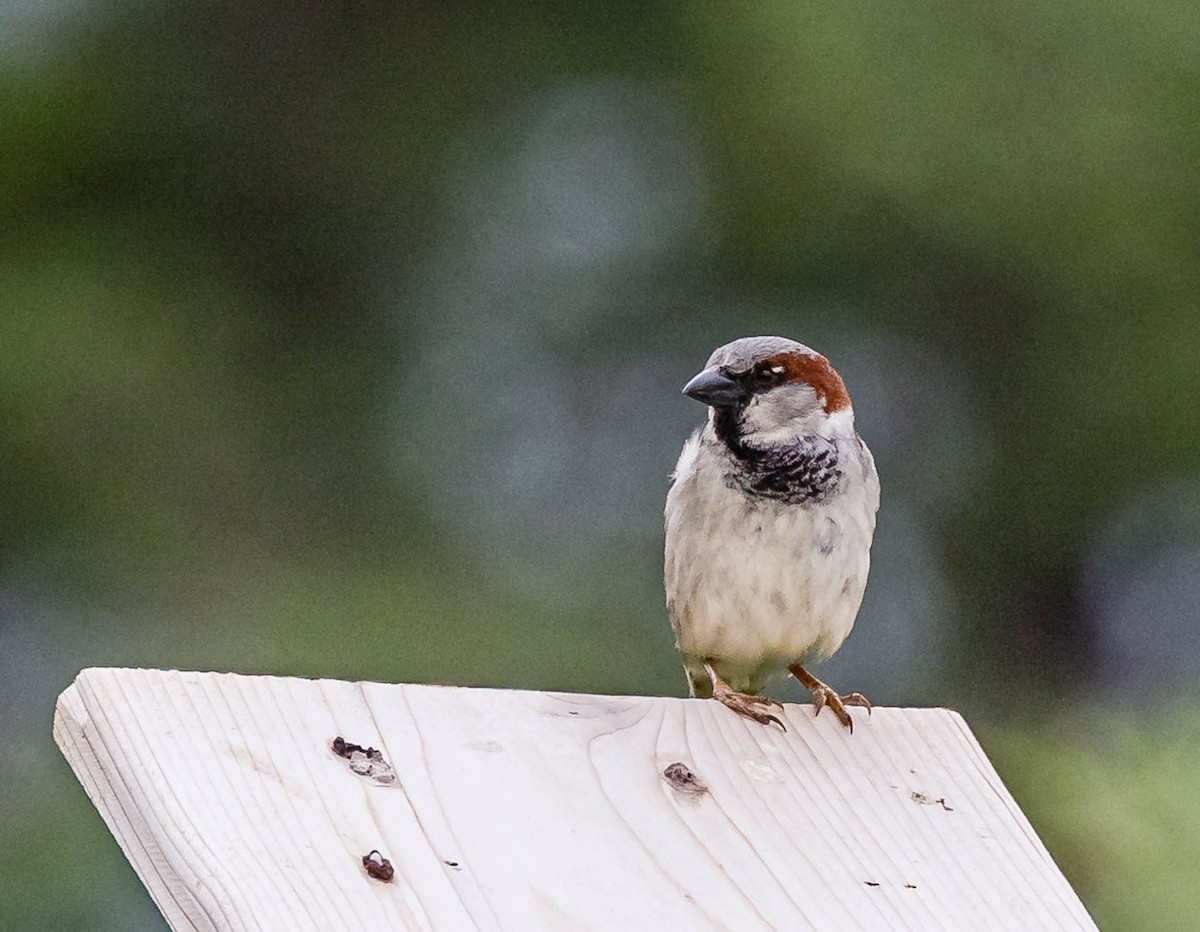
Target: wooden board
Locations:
point(525, 810)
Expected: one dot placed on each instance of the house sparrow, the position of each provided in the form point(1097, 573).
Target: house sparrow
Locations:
point(769, 523)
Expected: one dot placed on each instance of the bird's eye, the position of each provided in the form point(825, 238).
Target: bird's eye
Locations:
point(765, 375)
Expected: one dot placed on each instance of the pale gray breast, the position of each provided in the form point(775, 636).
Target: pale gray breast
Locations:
point(720, 541)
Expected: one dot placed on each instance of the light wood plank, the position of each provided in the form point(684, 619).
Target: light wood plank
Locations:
point(525, 810)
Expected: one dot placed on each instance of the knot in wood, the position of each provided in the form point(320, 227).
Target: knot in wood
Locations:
point(681, 778)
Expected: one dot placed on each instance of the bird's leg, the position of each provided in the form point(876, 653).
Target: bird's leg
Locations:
point(742, 703)
point(827, 696)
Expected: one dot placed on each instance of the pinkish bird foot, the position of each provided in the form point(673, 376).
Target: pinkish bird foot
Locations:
point(824, 695)
point(743, 703)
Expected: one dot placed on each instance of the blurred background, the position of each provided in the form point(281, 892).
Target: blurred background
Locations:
point(346, 340)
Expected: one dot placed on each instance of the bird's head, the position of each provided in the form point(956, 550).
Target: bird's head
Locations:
point(771, 391)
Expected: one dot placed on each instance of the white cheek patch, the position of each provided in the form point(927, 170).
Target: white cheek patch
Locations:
point(790, 411)
point(774, 416)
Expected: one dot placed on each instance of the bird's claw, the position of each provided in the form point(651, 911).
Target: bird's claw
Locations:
point(827, 696)
point(824, 695)
point(744, 704)
point(857, 699)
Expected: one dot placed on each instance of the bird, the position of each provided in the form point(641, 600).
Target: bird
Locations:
point(769, 522)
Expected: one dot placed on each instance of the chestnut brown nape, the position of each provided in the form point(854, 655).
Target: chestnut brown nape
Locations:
point(817, 372)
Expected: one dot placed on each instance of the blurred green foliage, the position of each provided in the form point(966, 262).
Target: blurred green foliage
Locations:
point(1111, 797)
point(208, 215)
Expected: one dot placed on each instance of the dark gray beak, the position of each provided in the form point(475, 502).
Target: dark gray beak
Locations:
point(715, 389)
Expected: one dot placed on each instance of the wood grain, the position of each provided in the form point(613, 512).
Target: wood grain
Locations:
point(525, 810)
